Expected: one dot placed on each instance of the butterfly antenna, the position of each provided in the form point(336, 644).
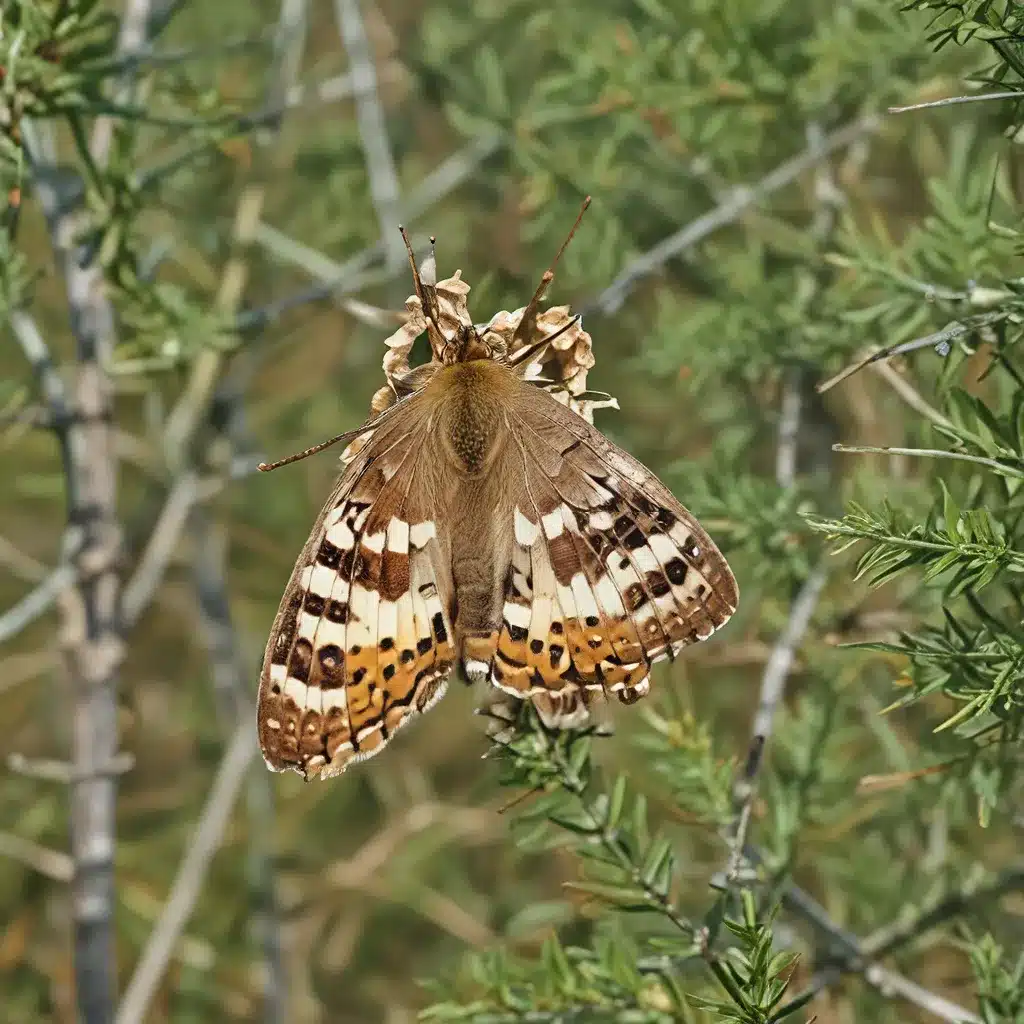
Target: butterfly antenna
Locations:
point(530, 313)
point(531, 350)
point(422, 281)
point(348, 435)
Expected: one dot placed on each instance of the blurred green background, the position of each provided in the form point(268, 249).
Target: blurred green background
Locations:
point(259, 256)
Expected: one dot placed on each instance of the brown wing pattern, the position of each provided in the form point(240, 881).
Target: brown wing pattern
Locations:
point(362, 641)
point(610, 573)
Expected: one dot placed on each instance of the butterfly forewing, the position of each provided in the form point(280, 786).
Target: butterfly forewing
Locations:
point(362, 640)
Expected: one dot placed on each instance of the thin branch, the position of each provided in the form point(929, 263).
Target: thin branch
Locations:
point(938, 340)
point(22, 565)
point(380, 166)
point(933, 453)
point(187, 414)
point(131, 37)
point(36, 603)
point(789, 431)
point(910, 395)
point(889, 982)
point(160, 547)
point(91, 639)
point(773, 684)
point(48, 770)
point(230, 682)
point(338, 279)
point(951, 101)
point(51, 384)
point(859, 956)
point(51, 863)
point(728, 211)
point(188, 883)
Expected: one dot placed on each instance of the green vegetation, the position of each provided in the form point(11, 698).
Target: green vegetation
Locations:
point(198, 246)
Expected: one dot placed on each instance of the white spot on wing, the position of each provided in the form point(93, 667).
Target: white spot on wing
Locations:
point(662, 546)
point(645, 560)
point(330, 633)
point(526, 531)
point(296, 690)
point(307, 625)
point(585, 603)
point(608, 596)
point(321, 580)
point(421, 533)
point(516, 614)
point(398, 535)
point(341, 536)
point(388, 621)
point(553, 524)
point(374, 542)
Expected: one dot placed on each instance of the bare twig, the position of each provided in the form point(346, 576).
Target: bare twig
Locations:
point(59, 771)
point(22, 565)
point(380, 165)
point(773, 685)
point(860, 956)
point(909, 394)
point(35, 603)
point(188, 412)
point(950, 101)
point(890, 983)
point(934, 453)
point(789, 430)
point(188, 884)
point(230, 681)
point(728, 211)
point(131, 38)
point(52, 863)
point(160, 547)
point(850, 948)
point(938, 340)
point(91, 639)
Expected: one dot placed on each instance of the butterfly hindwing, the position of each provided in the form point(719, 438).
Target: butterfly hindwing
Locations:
point(362, 641)
point(609, 574)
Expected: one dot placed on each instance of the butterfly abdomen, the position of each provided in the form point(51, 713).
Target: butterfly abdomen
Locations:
point(471, 398)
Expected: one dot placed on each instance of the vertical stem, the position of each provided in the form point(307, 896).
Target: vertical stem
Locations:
point(91, 641)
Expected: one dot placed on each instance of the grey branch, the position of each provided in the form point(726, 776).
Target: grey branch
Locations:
point(936, 340)
point(52, 863)
point(950, 101)
point(380, 165)
point(728, 211)
point(773, 685)
point(861, 955)
point(35, 603)
point(188, 884)
point(789, 430)
point(231, 692)
point(91, 639)
point(852, 952)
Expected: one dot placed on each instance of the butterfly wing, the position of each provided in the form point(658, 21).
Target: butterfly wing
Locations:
point(362, 640)
point(610, 573)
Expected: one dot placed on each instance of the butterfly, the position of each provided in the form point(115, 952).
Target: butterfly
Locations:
point(481, 522)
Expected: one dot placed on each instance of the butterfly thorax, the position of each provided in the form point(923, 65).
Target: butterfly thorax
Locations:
point(471, 398)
